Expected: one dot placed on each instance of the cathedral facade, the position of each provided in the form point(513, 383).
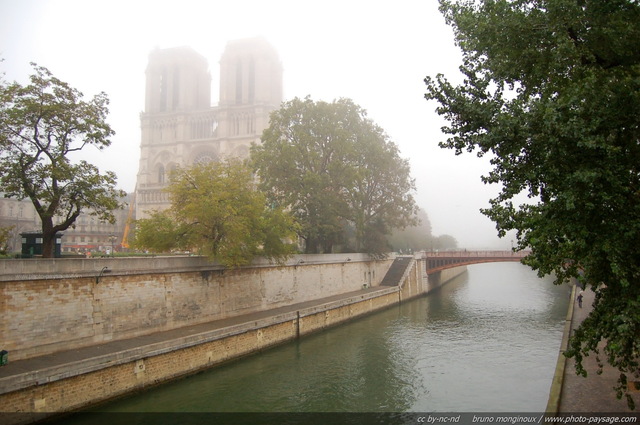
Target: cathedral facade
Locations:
point(180, 127)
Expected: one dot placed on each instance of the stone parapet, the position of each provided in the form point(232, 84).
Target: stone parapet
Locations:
point(60, 268)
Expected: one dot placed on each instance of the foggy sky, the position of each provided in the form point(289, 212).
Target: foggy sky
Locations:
point(374, 52)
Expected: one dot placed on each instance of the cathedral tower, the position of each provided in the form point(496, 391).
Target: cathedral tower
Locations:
point(178, 79)
point(179, 127)
point(250, 74)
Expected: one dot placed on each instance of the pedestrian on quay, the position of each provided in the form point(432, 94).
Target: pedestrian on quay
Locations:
point(580, 299)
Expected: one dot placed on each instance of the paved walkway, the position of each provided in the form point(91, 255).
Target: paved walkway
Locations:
point(19, 374)
point(593, 394)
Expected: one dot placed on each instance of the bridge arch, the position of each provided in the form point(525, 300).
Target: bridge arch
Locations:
point(438, 261)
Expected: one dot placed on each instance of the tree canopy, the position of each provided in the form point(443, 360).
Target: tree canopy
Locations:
point(41, 125)
point(5, 234)
point(217, 211)
point(419, 237)
point(335, 170)
point(551, 91)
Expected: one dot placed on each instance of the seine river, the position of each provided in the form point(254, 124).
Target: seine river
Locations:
point(487, 341)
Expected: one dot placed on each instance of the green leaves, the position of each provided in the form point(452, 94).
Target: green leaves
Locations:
point(160, 233)
point(217, 211)
point(41, 124)
point(334, 169)
point(5, 235)
point(552, 91)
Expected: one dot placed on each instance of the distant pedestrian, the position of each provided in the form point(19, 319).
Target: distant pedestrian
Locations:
point(580, 299)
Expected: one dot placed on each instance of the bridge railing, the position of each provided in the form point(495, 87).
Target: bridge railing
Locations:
point(478, 253)
point(437, 261)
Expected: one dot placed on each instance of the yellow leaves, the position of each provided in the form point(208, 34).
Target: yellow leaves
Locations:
point(218, 212)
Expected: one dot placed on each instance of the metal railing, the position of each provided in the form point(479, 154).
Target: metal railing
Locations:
point(465, 254)
point(437, 261)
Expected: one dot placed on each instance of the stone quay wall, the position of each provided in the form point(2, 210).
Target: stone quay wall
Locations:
point(42, 393)
point(438, 279)
point(49, 305)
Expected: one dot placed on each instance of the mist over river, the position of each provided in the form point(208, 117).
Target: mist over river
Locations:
point(487, 341)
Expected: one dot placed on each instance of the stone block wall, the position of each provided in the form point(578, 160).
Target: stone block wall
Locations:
point(438, 279)
point(37, 402)
point(85, 389)
point(60, 304)
point(112, 307)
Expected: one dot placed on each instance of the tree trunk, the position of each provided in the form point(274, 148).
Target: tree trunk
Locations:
point(359, 232)
point(311, 245)
point(48, 238)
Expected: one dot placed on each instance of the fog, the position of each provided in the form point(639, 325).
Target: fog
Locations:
point(374, 52)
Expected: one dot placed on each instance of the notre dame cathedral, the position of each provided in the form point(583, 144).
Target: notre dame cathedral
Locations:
point(180, 127)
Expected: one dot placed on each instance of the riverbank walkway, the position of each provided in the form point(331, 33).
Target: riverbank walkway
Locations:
point(19, 374)
point(593, 394)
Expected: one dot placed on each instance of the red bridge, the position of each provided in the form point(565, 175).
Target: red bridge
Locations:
point(437, 261)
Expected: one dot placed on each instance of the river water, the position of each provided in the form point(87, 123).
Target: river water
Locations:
point(487, 341)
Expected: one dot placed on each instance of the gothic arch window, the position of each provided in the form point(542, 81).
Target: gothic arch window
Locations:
point(203, 127)
point(205, 158)
point(161, 174)
point(176, 88)
point(252, 80)
point(250, 123)
point(238, 82)
point(163, 89)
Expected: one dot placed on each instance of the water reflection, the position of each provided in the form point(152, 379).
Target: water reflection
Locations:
point(487, 341)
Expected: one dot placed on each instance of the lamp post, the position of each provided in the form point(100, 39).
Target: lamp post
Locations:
point(112, 239)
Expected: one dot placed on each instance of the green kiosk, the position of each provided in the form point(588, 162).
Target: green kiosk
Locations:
point(32, 244)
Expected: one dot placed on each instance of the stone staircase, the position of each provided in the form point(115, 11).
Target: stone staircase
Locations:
point(396, 271)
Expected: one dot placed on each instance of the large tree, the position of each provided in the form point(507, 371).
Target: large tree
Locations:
point(551, 91)
point(41, 125)
point(377, 187)
point(333, 168)
point(217, 211)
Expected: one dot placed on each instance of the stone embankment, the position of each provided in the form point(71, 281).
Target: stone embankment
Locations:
point(86, 332)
